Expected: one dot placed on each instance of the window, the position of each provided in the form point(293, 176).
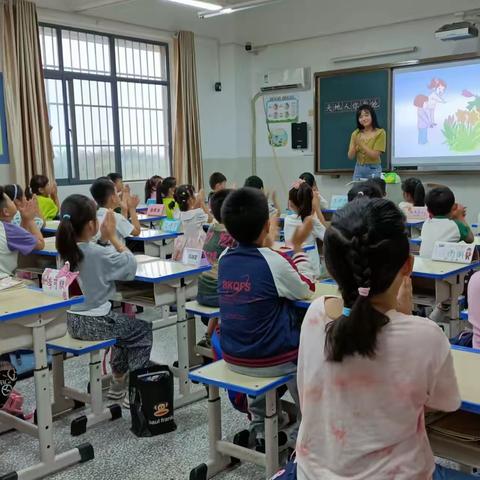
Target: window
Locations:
point(108, 104)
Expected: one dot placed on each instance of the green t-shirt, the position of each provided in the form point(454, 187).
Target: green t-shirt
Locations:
point(48, 208)
point(378, 141)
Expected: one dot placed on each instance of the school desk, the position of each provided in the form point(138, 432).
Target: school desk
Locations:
point(159, 283)
point(28, 318)
point(156, 243)
point(143, 218)
point(325, 288)
point(51, 227)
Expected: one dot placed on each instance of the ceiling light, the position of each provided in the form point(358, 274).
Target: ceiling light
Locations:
point(212, 7)
point(238, 7)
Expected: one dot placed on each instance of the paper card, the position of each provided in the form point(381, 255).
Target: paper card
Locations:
point(192, 256)
point(151, 201)
point(57, 283)
point(171, 226)
point(453, 252)
point(416, 213)
point(155, 210)
point(338, 201)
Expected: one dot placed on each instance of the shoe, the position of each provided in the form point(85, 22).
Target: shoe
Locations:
point(118, 388)
point(260, 442)
point(205, 342)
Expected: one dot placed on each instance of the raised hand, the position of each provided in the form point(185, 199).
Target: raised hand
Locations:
point(405, 297)
point(108, 227)
point(302, 233)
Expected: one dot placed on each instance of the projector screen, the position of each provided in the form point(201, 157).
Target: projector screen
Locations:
point(436, 116)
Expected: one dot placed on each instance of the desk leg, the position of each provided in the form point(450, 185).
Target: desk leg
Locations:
point(449, 290)
point(152, 249)
point(271, 434)
point(61, 403)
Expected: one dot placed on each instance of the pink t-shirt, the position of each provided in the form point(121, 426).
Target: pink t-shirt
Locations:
point(364, 418)
point(474, 307)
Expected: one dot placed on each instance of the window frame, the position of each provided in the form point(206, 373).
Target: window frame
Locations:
point(67, 77)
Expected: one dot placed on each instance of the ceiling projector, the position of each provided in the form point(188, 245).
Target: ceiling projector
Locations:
point(457, 31)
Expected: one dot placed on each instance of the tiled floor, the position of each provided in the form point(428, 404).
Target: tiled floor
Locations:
point(119, 454)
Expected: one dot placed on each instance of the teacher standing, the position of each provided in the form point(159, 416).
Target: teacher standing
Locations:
point(367, 144)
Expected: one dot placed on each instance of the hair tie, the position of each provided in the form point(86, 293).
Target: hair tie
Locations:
point(360, 194)
point(66, 217)
point(364, 291)
point(296, 184)
point(346, 311)
point(15, 191)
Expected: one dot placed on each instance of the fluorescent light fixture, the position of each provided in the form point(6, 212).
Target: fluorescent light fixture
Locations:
point(238, 7)
point(364, 56)
point(211, 7)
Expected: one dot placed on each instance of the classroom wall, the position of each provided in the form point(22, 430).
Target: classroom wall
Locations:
point(316, 54)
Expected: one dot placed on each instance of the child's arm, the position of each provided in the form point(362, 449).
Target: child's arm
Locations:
point(317, 209)
point(459, 214)
point(275, 202)
point(28, 213)
point(132, 204)
point(54, 195)
point(200, 203)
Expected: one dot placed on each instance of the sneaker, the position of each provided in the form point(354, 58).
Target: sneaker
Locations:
point(118, 388)
point(205, 342)
point(260, 442)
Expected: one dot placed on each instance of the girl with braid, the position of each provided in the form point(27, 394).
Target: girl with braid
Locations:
point(367, 368)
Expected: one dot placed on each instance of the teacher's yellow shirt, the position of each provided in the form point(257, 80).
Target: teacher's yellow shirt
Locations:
point(376, 142)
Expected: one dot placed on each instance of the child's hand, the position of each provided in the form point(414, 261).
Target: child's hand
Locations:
point(301, 234)
point(272, 236)
point(315, 202)
point(29, 210)
point(459, 212)
point(37, 207)
point(108, 227)
point(54, 189)
point(405, 297)
point(274, 197)
point(132, 201)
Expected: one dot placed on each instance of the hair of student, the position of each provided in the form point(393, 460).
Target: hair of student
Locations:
point(380, 183)
point(164, 187)
point(372, 112)
point(364, 189)
point(150, 184)
point(309, 178)
point(414, 187)
point(365, 247)
point(216, 203)
point(254, 182)
point(182, 195)
point(244, 214)
point(440, 201)
point(216, 178)
point(114, 176)
point(3, 201)
point(15, 192)
point(36, 183)
point(76, 211)
point(302, 198)
point(102, 189)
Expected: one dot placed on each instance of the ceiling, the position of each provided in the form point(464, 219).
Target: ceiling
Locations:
point(282, 21)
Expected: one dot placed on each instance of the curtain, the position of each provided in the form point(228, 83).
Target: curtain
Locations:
point(28, 129)
point(187, 152)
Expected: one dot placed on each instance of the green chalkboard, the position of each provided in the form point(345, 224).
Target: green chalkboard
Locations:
point(337, 97)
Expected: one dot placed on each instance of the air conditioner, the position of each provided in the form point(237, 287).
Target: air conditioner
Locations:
point(286, 79)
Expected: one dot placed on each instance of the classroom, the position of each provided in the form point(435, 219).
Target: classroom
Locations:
point(239, 239)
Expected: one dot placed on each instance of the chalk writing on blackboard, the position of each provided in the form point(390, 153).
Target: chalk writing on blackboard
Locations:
point(347, 106)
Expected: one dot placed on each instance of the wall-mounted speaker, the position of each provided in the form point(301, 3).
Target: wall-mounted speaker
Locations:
point(300, 136)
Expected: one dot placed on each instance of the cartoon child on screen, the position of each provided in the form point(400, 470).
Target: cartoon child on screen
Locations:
point(423, 118)
point(437, 87)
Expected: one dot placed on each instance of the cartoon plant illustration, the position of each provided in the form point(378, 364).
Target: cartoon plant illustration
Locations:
point(462, 130)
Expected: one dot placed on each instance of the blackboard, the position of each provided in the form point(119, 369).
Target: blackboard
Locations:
point(337, 97)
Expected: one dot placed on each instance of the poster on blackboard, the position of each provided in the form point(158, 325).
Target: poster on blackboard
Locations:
point(3, 127)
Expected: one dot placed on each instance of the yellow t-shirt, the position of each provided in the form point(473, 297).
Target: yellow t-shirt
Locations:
point(378, 142)
point(48, 207)
point(170, 212)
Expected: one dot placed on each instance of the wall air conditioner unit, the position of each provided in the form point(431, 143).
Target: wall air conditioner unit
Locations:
point(286, 79)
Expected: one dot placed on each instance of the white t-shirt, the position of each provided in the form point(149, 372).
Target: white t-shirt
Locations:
point(123, 226)
point(363, 418)
point(291, 223)
point(405, 206)
point(438, 230)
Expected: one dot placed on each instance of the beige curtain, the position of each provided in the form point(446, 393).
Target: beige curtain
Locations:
point(29, 143)
point(187, 151)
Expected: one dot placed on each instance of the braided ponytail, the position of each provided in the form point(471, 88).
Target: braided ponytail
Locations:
point(415, 189)
point(364, 250)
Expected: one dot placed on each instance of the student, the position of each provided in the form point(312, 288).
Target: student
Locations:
point(216, 241)
point(165, 192)
point(217, 182)
point(364, 189)
point(380, 183)
point(105, 194)
point(16, 239)
point(117, 180)
point(260, 326)
point(310, 179)
point(100, 265)
point(447, 222)
point(367, 368)
point(413, 194)
point(474, 307)
point(303, 202)
point(151, 188)
point(47, 196)
point(193, 215)
point(16, 194)
point(273, 205)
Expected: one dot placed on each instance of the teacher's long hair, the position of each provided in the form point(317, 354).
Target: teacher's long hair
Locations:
point(372, 112)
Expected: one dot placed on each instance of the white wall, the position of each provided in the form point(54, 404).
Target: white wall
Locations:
point(316, 54)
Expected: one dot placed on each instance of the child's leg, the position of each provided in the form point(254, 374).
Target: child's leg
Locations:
point(212, 325)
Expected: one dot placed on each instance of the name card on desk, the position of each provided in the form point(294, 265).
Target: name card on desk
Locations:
point(57, 283)
point(417, 214)
point(338, 201)
point(155, 210)
point(192, 256)
point(171, 226)
point(453, 252)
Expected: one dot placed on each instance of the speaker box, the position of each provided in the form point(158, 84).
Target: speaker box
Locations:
point(300, 136)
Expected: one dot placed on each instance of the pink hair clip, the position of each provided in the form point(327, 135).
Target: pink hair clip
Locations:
point(364, 292)
point(296, 184)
